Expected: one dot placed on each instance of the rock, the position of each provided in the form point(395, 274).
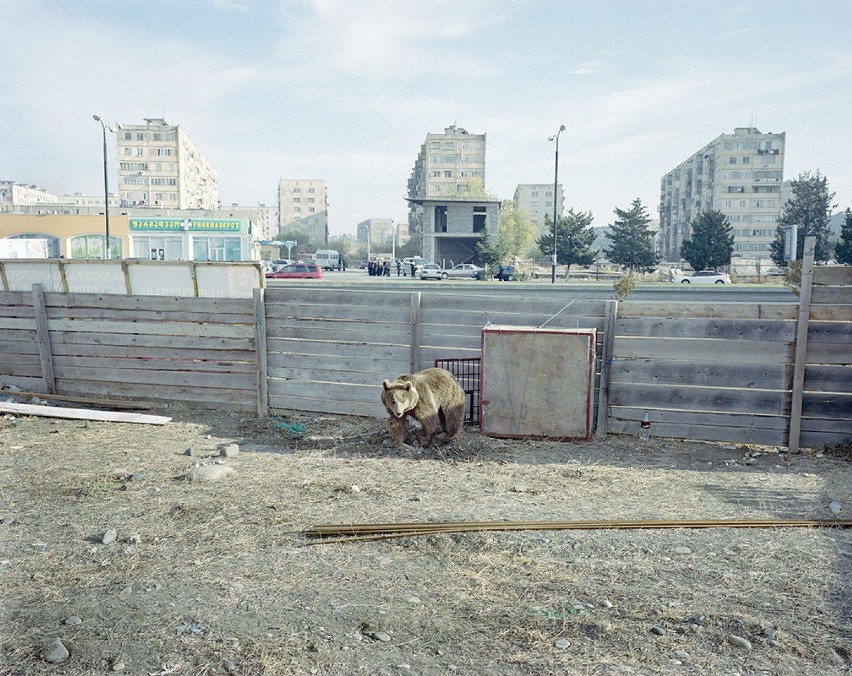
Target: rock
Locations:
point(562, 644)
point(230, 451)
point(209, 472)
point(55, 651)
point(659, 631)
point(118, 666)
point(682, 654)
point(229, 666)
point(139, 476)
point(606, 603)
point(380, 636)
point(739, 642)
point(682, 550)
point(835, 507)
point(769, 632)
point(109, 536)
point(73, 619)
point(189, 452)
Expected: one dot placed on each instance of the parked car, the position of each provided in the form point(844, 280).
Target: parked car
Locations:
point(281, 262)
point(505, 273)
point(406, 265)
point(431, 271)
point(702, 277)
point(463, 270)
point(297, 271)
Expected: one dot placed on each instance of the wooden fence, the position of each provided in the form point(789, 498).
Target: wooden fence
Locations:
point(760, 373)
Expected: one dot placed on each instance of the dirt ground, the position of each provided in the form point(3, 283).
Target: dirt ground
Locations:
point(216, 576)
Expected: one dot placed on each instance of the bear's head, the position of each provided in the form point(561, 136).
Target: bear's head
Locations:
point(399, 397)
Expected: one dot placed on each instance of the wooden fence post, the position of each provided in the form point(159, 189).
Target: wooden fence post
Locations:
point(414, 353)
point(43, 338)
point(259, 298)
point(610, 315)
point(801, 345)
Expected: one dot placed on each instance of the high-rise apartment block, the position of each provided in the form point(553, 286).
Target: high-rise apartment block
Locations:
point(536, 200)
point(303, 207)
point(159, 166)
point(739, 174)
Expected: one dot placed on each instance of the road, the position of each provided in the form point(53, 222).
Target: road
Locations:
point(752, 293)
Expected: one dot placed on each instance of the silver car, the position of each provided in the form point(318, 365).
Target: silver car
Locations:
point(463, 270)
point(702, 277)
point(431, 271)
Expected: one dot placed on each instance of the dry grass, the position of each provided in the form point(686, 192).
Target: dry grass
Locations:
point(206, 577)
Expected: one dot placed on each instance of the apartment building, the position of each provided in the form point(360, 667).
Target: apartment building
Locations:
point(14, 195)
point(447, 201)
point(739, 174)
point(536, 201)
point(303, 206)
point(160, 166)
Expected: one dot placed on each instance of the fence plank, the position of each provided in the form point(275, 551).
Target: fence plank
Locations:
point(772, 376)
point(828, 378)
point(708, 310)
point(828, 295)
point(801, 344)
point(212, 342)
point(699, 349)
point(716, 328)
point(43, 338)
point(605, 365)
point(162, 328)
point(719, 399)
point(832, 275)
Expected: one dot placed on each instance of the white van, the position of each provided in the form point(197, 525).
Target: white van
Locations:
point(418, 261)
point(327, 259)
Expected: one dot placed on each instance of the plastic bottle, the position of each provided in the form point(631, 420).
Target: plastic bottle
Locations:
point(645, 431)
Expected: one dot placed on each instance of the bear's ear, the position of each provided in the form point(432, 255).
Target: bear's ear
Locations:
point(387, 384)
point(409, 385)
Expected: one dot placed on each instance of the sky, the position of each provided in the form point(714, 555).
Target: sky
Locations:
point(346, 90)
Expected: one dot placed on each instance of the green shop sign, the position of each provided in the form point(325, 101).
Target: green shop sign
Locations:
point(195, 224)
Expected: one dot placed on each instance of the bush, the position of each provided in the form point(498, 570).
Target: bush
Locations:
point(624, 286)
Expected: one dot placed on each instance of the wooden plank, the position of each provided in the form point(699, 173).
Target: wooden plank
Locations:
point(115, 403)
point(758, 436)
point(83, 414)
point(162, 352)
point(801, 344)
point(832, 275)
point(134, 315)
point(21, 369)
point(120, 302)
point(43, 338)
point(243, 400)
point(771, 376)
point(699, 349)
point(828, 378)
point(718, 399)
point(13, 298)
point(819, 439)
point(339, 313)
point(17, 323)
point(314, 349)
point(341, 331)
point(155, 328)
point(115, 374)
point(477, 319)
point(717, 328)
point(161, 365)
point(308, 296)
point(328, 391)
point(657, 416)
point(831, 313)
point(152, 342)
point(828, 353)
point(605, 363)
point(514, 304)
point(831, 332)
point(830, 295)
point(364, 376)
point(837, 405)
point(278, 404)
point(709, 310)
point(261, 352)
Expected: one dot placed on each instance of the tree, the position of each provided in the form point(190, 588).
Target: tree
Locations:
point(515, 231)
point(301, 238)
point(712, 242)
point(490, 250)
point(632, 242)
point(574, 239)
point(843, 248)
point(808, 210)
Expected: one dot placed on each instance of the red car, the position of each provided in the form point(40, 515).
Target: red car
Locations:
point(297, 271)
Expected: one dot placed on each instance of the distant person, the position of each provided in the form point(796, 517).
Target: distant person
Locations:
point(398, 267)
point(413, 268)
point(344, 264)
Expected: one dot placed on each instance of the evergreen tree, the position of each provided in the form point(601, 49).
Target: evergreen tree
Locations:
point(490, 250)
point(574, 239)
point(809, 210)
point(632, 242)
point(712, 242)
point(843, 248)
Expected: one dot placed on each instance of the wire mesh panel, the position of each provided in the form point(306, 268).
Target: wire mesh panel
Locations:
point(466, 372)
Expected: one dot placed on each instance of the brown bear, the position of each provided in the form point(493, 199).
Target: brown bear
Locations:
point(432, 397)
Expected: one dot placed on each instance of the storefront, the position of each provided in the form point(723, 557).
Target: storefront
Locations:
point(199, 239)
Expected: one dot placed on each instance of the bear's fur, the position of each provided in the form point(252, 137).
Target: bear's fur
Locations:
point(432, 397)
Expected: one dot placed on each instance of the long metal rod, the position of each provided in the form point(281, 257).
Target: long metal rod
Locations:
point(346, 532)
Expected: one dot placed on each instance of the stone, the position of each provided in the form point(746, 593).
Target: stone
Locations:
point(682, 654)
point(562, 644)
point(230, 451)
point(109, 536)
point(209, 472)
point(55, 651)
point(73, 619)
point(658, 631)
point(380, 636)
point(682, 550)
point(739, 642)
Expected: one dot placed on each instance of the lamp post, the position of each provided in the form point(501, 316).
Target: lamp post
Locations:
point(104, 127)
point(555, 184)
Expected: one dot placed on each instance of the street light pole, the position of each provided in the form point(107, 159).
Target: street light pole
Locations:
point(555, 184)
point(106, 186)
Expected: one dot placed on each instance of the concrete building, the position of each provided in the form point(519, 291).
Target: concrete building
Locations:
point(448, 205)
point(739, 174)
point(375, 231)
point(13, 195)
point(536, 201)
point(303, 206)
point(160, 166)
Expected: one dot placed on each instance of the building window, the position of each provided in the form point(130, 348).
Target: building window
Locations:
point(732, 160)
point(479, 217)
point(448, 174)
point(435, 145)
point(140, 152)
point(311, 190)
point(297, 209)
point(297, 190)
point(311, 210)
point(296, 200)
point(448, 145)
point(140, 136)
point(311, 200)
